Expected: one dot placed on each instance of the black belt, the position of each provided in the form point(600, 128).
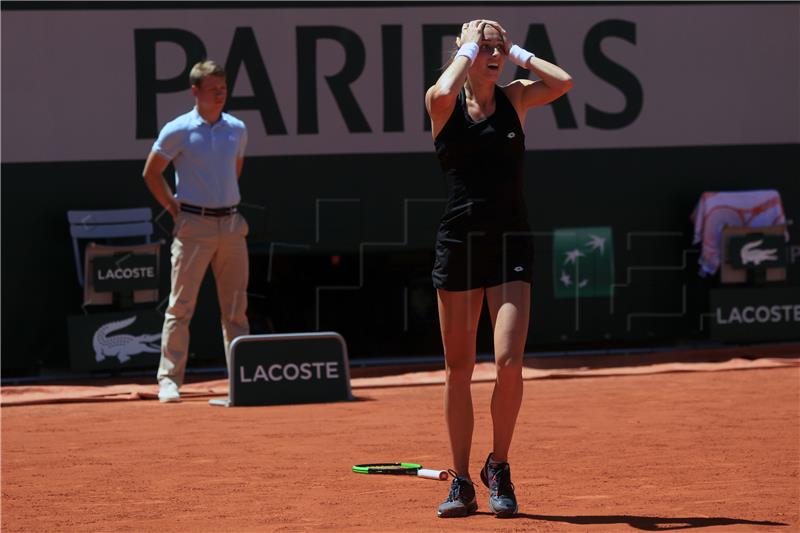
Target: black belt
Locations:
point(209, 211)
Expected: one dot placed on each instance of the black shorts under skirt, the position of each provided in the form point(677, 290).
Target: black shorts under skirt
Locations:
point(482, 260)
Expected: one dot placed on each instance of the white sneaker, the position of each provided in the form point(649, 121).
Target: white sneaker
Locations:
point(168, 391)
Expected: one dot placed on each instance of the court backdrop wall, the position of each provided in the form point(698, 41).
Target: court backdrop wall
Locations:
point(341, 185)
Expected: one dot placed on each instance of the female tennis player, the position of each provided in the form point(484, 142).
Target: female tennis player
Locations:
point(484, 246)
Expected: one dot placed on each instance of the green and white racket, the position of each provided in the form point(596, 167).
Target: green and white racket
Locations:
point(400, 469)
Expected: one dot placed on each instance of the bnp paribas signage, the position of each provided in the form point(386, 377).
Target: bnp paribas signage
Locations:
point(583, 262)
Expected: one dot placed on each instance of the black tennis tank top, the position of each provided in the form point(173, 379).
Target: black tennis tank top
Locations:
point(482, 163)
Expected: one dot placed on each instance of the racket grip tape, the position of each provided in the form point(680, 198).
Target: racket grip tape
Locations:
point(427, 473)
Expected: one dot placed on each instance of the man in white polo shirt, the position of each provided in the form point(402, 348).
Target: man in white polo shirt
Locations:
point(206, 146)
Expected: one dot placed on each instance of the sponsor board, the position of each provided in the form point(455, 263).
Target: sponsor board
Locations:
point(288, 368)
point(583, 262)
point(757, 250)
point(755, 314)
point(115, 341)
point(338, 80)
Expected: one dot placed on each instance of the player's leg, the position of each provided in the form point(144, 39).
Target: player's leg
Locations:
point(509, 307)
point(193, 245)
point(231, 271)
point(459, 312)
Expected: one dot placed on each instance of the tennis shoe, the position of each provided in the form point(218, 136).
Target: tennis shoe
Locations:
point(168, 391)
point(497, 477)
point(460, 501)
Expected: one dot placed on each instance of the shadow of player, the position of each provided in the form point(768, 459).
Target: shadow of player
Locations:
point(651, 523)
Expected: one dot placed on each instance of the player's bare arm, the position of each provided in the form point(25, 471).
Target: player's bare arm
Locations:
point(440, 99)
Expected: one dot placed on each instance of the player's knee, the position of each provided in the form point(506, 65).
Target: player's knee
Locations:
point(459, 372)
point(508, 365)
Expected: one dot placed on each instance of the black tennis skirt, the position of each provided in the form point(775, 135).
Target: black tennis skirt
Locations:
point(480, 259)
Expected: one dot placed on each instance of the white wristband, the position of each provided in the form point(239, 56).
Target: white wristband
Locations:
point(519, 56)
point(468, 50)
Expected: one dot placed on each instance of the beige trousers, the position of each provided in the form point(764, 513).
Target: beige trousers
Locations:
point(199, 241)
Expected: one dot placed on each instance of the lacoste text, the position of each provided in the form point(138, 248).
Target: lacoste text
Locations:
point(761, 314)
point(126, 273)
point(292, 372)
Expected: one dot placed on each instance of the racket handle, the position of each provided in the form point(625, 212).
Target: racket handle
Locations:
point(432, 474)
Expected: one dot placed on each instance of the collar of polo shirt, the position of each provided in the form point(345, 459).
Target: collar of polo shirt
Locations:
point(197, 118)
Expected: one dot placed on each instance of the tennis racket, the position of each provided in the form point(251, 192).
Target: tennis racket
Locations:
point(400, 469)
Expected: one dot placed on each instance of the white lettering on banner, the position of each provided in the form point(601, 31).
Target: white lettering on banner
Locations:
point(292, 372)
point(332, 369)
point(272, 376)
point(794, 253)
point(761, 314)
point(337, 87)
point(126, 273)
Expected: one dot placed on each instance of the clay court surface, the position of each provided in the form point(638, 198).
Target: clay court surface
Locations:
point(712, 451)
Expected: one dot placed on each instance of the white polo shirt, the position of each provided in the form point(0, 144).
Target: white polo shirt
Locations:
point(205, 157)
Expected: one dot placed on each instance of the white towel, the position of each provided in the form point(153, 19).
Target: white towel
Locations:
point(715, 210)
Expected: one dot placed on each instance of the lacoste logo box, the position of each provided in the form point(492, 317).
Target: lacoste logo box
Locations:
point(289, 368)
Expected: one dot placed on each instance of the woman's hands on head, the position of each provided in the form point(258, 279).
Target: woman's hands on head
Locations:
point(507, 44)
point(471, 32)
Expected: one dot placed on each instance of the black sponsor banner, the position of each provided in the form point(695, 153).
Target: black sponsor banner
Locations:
point(112, 341)
point(755, 314)
point(125, 272)
point(289, 368)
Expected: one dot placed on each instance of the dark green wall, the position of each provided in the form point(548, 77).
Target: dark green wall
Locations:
point(632, 190)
